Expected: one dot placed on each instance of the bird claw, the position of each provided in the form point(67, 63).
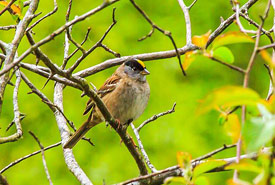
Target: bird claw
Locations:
point(118, 124)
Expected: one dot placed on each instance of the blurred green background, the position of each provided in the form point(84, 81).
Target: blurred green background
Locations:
point(109, 161)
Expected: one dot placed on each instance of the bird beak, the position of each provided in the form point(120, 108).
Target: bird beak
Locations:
point(145, 72)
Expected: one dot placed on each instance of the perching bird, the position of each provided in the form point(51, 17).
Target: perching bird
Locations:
point(125, 94)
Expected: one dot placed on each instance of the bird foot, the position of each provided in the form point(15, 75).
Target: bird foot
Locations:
point(118, 124)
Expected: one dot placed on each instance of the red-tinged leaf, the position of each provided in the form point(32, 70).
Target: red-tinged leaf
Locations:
point(189, 58)
point(207, 166)
point(231, 37)
point(229, 96)
point(232, 127)
point(201, 40)
point(16, 10)
point(184, 159)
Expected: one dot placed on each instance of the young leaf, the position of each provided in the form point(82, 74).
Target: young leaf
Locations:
point(184, 159)
point(260, 130)
point(229, 96)
point(231, 37)
point(201, 40)
point(223, 54)
point(232, 127)
point(207, 166)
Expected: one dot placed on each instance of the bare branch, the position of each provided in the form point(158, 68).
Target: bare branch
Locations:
point(159, 177)
point(12, 48)
point(191, 5)
point(144, 57)
point(153, 118)
point(165, 32)
point(146, 158)
point(185, 10)
point(43, 157)
point(109, 50)
point(3, 180)
point(236, 68)
point(40, 71)
point(228, 21)
point(28, 156)
point(239, 22)
point(77, 49)
point(44, 17)
point(16, 119)
point(65, 134)
point(210, 154)
point(7, 7)
point(99, 43)
point(7, 27)
point(54, 34)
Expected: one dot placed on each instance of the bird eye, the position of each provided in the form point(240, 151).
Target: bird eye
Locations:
point(134, 68)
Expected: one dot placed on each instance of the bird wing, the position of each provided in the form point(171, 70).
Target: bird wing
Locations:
point(109, 85)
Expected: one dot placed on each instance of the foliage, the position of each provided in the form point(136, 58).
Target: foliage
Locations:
point(193, 127)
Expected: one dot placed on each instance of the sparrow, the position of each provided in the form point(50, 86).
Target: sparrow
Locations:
point(125, 94)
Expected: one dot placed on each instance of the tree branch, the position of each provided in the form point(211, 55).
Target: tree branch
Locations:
point(43, 157)
point(16, 119)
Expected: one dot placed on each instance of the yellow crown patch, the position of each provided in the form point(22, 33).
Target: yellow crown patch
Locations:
point(141, 63)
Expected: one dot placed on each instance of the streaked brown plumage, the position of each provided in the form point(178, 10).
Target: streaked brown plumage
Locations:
point(125, 94)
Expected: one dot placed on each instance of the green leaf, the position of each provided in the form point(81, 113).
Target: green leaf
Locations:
point(223, 54)
point(180, 180)
point(245, 165)
point(260, 130)
point(207, 166)
point(201, 180)
point(232, 37)
point(229, 96)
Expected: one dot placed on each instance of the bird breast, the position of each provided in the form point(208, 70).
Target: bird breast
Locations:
point(128, 101)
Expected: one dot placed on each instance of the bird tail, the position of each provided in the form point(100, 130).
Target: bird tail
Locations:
point(85, 127)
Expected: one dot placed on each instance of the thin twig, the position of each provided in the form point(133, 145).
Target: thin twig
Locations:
point(245, 84)
point(19, 132)
point(228, 22)
point(165, 32)
point(236, 68)
point(44, 17)
point(77, 49)
point(54, 34)
point(98, 44)
point(185, 10)
point(237, 7)
point(7, 7)
point(145, 155)
point(28, 156)
point(210, 154)
point(7, 27)
point(43, 157)
point(153, 118)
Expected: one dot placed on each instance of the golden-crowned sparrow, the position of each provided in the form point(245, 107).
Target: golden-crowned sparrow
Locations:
point(125, 94)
